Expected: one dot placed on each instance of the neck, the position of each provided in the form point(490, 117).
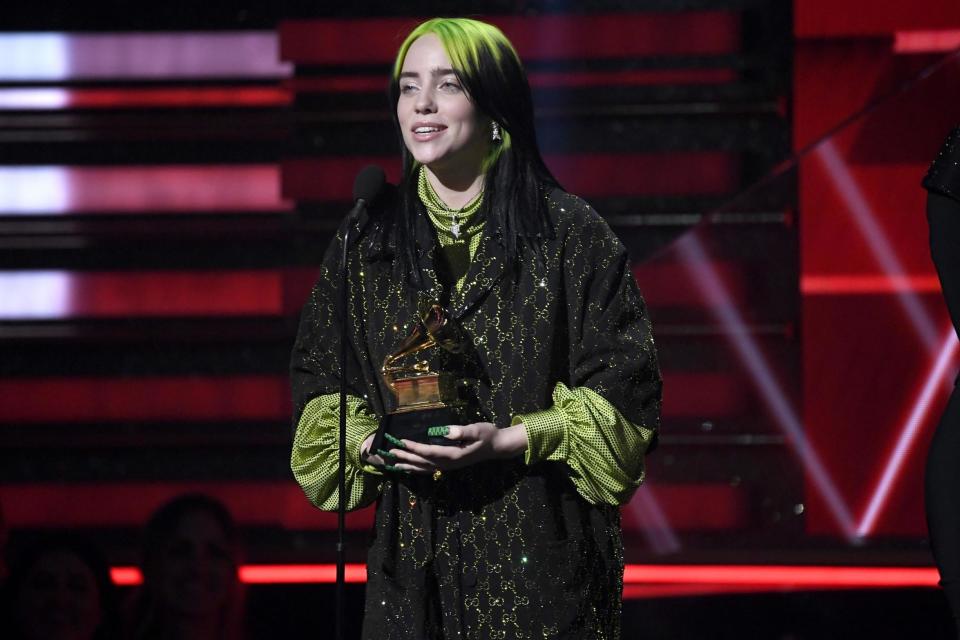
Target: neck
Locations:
point(455, 189)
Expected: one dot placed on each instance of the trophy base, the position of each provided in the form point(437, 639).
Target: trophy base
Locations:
point(413, 425)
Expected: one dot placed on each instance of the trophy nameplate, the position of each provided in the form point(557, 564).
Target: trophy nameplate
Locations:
point(424, 398)
point(430, 391)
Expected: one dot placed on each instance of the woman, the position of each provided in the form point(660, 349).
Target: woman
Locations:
point(943, 472)
point(190, 587)
point(516, 532)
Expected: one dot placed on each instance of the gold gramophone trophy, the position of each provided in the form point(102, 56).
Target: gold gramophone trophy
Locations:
point(424, 398)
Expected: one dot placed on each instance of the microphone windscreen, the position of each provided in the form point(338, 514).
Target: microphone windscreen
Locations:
point(368, 183)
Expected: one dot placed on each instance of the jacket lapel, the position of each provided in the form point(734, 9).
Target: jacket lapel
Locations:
point(488, 266)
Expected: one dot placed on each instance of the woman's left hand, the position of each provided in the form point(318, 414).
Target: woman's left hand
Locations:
point(478, 442)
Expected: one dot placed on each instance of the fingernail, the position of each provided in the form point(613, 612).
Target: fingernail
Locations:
point(438, 431)
point(386, 454)
point(390, 467)
point(394, 441)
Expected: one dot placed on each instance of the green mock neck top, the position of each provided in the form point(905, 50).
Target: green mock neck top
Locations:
point(458, 230)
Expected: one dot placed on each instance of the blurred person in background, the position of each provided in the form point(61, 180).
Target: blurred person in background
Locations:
point(943, 461)
point(190, 586)
point(60, 589)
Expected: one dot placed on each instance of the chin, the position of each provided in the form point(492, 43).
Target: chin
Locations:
point(428, 159)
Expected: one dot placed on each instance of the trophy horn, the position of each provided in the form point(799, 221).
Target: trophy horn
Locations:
point(433, 328)
point(443, 331)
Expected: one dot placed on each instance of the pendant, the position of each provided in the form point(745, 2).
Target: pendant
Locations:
point(455, 227)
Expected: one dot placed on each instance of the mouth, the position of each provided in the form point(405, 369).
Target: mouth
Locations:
point(425, 132)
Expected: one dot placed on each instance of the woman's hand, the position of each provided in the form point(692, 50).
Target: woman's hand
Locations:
point(387, 459)
point(368, 456)
point(478, 442)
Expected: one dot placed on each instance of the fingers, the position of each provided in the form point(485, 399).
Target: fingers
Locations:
point(375, 460)
point(401, 456)
point(472, 431)
point(445, 457)
point(394, 442)
point(399, 461)
point(407, 469)
point(458, 432)
point(418, 457)
point(433, 452)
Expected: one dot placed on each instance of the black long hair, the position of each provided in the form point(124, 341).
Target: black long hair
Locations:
point(516, 180)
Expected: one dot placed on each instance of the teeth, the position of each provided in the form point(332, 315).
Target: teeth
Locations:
point(426, 129)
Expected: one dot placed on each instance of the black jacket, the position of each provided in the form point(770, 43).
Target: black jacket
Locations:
point(499, 549)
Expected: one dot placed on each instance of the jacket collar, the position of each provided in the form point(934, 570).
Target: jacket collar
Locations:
point(487, 268)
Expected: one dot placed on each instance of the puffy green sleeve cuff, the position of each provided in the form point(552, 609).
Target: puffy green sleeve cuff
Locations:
point(314, 457)
point(602, 448)
point(546, 431)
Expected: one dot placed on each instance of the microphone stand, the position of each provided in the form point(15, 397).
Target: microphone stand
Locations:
point(360, 205)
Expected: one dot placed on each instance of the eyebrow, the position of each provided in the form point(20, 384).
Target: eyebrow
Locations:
point(434, 72)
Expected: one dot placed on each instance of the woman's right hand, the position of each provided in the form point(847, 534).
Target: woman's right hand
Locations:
point(387, 459)
point(369, 457)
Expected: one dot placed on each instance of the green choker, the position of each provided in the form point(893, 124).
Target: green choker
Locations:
point(442, 216)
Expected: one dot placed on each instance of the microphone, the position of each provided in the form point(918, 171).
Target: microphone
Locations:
point(367, 185)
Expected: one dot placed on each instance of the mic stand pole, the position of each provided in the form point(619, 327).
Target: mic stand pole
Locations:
point(341, 471)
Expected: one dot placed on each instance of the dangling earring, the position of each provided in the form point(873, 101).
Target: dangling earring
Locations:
point(495, 132)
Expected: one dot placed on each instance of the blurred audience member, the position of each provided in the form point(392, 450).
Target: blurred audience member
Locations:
point(190, 589)
point(943, 471)
point(60, 589)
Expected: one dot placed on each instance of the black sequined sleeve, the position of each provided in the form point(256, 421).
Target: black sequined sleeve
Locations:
point(607, 413)
point(315, 380)
point(612, 349)
point(315, 361)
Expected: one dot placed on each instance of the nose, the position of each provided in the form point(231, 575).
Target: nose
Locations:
point(425, 101)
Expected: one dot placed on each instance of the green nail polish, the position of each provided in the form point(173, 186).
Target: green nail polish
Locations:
point(395, 469)
point(394, 441)
point(438, 431)
point(386, 454)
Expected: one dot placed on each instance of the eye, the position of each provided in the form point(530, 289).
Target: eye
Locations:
point(407, 87)
point(450, 86)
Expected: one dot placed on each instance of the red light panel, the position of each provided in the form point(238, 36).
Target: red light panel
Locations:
point(939, 41)
point(55, 56)
point(540, 80)
point(553, 37)
point(60, 295)
point(49, 98)
point(152, 189)
point(588, 175)
point(720, 576)
point(868, 284)
point(273, 504)
point(71, 400)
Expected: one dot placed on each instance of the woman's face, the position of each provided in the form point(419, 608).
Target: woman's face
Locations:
point(59, 599)
point(441, 127)
point(198, 572)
